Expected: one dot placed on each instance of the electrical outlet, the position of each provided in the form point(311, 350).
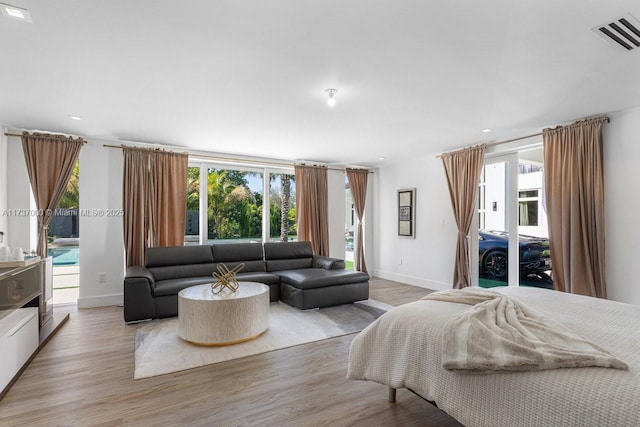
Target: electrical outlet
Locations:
point(102, 277)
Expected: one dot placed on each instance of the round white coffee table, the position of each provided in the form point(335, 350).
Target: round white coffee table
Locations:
point(223, 319)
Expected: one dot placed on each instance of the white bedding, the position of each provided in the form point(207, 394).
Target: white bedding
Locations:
point(403, 348)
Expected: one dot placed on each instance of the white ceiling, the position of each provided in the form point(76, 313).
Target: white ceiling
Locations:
point(248, 77)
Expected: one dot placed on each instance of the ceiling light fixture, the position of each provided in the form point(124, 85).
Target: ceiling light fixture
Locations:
point(72, 117)
point(331, 101)
point(15, 12)
point(487, 130)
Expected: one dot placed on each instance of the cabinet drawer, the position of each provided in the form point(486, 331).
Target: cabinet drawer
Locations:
point(19, 339)
point(24, 338)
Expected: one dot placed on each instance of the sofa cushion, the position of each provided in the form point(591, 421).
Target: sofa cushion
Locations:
point(249, 266)
point(266, 278)
point(173, 286)
point(311, 278)
point(180, 271)
point(288, 256)
point(178, 255)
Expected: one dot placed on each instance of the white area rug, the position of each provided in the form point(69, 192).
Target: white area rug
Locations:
point(159, 349)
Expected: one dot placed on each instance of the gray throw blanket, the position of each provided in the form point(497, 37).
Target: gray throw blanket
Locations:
point(502, 334)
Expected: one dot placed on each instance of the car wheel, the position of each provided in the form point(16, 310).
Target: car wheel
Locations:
point(495, 264)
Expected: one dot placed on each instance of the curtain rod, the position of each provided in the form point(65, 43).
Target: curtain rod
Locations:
point(48, 133)
point(235, 160)
point(493, 144)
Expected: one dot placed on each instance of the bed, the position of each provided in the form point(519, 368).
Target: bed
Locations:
point(403, 349)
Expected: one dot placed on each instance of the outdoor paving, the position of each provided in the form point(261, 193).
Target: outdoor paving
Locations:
point(66, 282)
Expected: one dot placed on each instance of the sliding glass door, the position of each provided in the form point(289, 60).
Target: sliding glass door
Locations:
point(495, 242)
point(509, 240)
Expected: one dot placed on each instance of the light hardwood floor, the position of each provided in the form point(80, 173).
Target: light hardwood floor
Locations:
point(84, 377)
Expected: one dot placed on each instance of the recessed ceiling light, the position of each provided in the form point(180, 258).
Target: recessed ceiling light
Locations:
point(380, 158)
point(75, 117)
point(487, 130)
point(331, 101)
point(14, 12)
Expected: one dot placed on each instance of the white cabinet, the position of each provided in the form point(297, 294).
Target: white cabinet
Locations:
point(19, 339)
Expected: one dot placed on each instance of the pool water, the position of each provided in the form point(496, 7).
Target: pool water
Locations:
point(67, 255)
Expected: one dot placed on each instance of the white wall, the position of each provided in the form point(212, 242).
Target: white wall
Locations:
point(4, 222)
point(22, 226)
point(622, 205)
point(427, 259)
point(369, 222)
point(101, 238)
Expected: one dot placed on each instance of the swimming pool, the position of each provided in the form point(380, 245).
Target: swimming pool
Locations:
point(65, 255)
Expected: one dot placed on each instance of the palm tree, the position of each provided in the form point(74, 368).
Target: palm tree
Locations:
point(193, 188)
point(285, 196)
point(71, 197)
point(283, 203)
point(221, 191)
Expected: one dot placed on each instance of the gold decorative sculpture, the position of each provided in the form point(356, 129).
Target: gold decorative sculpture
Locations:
point(226, 279)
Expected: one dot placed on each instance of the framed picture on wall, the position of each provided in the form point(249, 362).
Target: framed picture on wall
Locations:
point(406, 212)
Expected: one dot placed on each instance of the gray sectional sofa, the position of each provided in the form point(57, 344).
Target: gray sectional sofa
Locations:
point(293, 273)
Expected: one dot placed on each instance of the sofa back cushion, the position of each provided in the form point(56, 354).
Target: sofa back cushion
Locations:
point(232, 254)
point(288, 255)
point(174, 262)
point(178, 255)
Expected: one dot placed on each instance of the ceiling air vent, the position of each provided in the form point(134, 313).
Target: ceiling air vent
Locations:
point(623, 32)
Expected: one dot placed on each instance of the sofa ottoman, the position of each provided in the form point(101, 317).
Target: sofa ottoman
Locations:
point(316, 287)
point(312, 281)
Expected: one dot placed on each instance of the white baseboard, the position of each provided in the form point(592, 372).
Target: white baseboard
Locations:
point(412, 280)
point(100, 301)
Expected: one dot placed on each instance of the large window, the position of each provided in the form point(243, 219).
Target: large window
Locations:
point(192, 219)
point(231, 205)
point(234, 205)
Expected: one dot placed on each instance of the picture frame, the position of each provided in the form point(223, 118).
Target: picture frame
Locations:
point(407, 212)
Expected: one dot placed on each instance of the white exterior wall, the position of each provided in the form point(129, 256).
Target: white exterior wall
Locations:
point(495, 193)
point(534, 181)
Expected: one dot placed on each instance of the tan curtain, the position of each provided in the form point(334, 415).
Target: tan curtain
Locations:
point(574, 190)
point(463, 169)
point(358, 183)
point(168, 173)
point(50, 160)
point(135, 190)
point(154, 200)
point(312, 199)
